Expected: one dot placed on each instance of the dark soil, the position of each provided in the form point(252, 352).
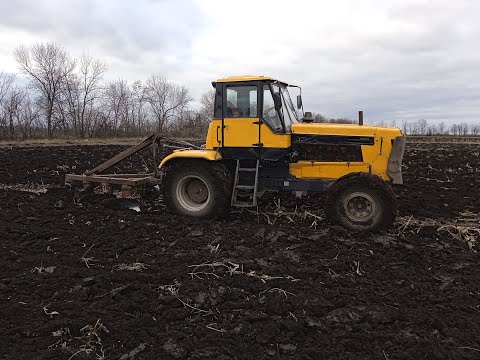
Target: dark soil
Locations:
point(84, 278)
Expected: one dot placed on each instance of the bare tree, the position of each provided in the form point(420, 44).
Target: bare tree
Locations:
point(6, 80)
point(463, 129)
point(138, 112)
point(319, 118)
point(431, 130)
point(475, 129)
point(441, 128)
point(29, 115)
point(116, 96)
point(347, 121)
point(207, 103)
point(166, 100)
point(454, 129)
point(124, 109)
point(190, 123)
point(80, 92)
point(12, 108)
point(47, 66)
point(422, 126)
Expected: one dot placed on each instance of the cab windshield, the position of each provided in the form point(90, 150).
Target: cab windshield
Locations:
point(288, 111)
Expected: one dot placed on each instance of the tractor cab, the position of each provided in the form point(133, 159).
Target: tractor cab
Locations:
point(253, 117)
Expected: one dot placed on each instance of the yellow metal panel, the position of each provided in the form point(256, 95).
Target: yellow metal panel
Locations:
point(243, 132)
point(375, 157)
point(325, 170)
point(271, 140)
point(247, 78)
point(240, 132)
point(214, 135)
point(244, 78)
point(343, 129)
point(194, 154)
point(378, 155)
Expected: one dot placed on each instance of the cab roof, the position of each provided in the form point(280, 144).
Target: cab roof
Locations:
point(246, 78)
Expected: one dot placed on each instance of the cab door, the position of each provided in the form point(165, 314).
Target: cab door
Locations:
point(274, 135)
point(241, 126)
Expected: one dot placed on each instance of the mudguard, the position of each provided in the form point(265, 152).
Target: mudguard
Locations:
point(210, 155)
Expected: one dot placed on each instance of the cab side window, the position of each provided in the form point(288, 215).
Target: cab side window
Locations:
point(269, 114)
point(241, 102)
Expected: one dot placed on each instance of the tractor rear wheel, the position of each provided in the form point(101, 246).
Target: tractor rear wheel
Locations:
point(361, 202)
point(196, 188)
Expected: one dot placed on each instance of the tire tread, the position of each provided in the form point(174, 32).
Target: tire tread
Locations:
point(358, 180)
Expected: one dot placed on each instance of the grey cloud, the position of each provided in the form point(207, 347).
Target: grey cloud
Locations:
point(123, 29)
point(426, 66)
point(430, 73)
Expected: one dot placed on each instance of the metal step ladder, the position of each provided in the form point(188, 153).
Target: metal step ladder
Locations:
point(245, 190)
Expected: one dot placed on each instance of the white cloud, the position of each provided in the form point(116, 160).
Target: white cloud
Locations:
point(401, 59)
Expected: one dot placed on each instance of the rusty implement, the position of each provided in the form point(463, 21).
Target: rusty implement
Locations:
point(128, 182)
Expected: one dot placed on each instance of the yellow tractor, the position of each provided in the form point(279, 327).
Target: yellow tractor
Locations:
point(257, 142)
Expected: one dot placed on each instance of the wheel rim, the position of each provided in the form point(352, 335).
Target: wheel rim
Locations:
point(360, 207)
point(193, 193)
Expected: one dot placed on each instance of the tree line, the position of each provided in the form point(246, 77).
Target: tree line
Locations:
point(419, 127)
point(67, 97)
point(423, 127)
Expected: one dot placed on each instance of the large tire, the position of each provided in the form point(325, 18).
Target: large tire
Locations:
point(361, 202)
point(197, 188)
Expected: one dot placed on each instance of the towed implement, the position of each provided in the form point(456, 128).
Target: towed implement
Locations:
point(257, 142)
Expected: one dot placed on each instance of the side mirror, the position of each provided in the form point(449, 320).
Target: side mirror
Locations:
point(299, 102)
point(277, 101)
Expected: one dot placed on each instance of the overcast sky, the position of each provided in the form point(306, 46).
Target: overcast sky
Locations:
point(395, 59)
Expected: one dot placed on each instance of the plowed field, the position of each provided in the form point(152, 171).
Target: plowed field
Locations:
point(84, 278)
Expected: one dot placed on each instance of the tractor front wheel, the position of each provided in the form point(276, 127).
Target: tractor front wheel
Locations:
point(361, 202)
point(196, 189)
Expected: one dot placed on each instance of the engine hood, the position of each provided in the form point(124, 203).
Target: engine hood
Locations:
point(344, 129)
